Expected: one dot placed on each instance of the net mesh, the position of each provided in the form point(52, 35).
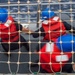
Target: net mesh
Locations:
point(28, 14)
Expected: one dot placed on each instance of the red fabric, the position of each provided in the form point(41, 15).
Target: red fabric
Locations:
point(54, 27)
point(46, 58)
point(4, 31)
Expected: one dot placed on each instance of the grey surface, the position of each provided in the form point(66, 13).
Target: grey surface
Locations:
point(24, 57)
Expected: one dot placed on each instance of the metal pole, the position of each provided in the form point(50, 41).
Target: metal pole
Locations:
point(38, 13)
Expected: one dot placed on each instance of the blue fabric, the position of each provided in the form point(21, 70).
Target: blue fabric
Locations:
point(66, 45)
point(3, 15)
point(46, 14)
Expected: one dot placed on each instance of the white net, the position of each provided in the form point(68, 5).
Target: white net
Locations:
point(28, 14)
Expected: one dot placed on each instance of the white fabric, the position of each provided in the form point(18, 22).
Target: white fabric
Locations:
point(49, 47)
point(61, 58)
point(7, 24)
point(55, 18)
point(45, 17)
point(45, 22)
